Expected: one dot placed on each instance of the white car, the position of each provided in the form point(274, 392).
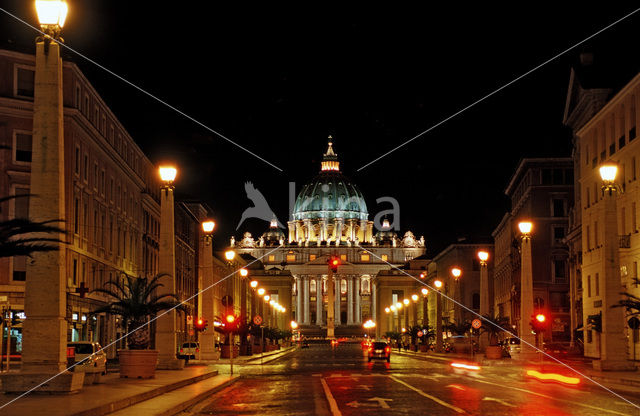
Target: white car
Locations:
point(96, 359)
point(188, 350)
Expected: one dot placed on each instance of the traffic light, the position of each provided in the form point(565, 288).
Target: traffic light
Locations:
point(595, 322)
point(230, 322)
point(201, 325)
point(14, 318)
point(334, 262)
point(539, 323)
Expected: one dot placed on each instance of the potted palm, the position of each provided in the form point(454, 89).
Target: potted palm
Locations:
point(134, 299)
point(459, 330)
point(494, 326)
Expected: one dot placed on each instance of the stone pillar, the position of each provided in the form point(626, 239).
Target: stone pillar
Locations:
point(438, 301)
point(305, 300)
point(207, 338)
point(166, 328)
point(319, 300)
point(45, 330)
point(484, 301)
point(337, 284)
point(358, 284)
point(526, 300)
point(613, 343)
point(299, 313)
point(350, 300)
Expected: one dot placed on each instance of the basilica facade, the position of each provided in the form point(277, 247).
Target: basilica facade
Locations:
point(329, 219)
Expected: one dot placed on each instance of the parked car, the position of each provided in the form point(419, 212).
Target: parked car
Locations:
point(379, 350)
point(305, 344)
point(556, 349)
point(96, 359)
point(188, 350)
point(511, 345)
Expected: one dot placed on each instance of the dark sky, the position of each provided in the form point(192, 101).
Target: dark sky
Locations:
point(279, 79)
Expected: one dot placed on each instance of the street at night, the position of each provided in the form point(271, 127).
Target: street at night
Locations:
point(325, 380)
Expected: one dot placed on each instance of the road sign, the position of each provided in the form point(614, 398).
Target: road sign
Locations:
point(420, 334)
point(257, 319)
point(227, 300)
point(476, 323)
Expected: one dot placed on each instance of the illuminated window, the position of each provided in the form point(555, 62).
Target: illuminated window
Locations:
point(312, 257)
point(291, 257)
point(343, 257)
point(312, 286)
point(272, 257)
point(343, 286)
point(385, 257)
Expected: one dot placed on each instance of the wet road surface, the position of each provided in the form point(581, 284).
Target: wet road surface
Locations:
point(322, 380)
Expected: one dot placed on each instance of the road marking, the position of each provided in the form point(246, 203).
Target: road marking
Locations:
point(455, 386)
point(428, 396)
point(554, 398)
point(493, 399)
point(382, 402)
point(335, 411)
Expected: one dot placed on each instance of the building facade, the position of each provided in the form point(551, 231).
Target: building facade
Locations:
point(330, 218)
point(541, 191)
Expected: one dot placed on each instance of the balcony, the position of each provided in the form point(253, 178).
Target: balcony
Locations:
point(624, 241)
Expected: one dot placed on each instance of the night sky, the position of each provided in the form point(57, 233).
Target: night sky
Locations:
point(278, 80)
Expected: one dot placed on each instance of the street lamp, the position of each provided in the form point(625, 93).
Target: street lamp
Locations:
point(456, 272)
point(168, 174)
point(387, 310)
point(253, 284)
point(526, 289)
point(244, 272)
point(52, 15)
point(229, 255)
point(261, 292)
point(424, 291)
point(206, 301)
point(294, 325)
point(483, 256)
point(208, 226)
point(414, 297)
point(438, 284)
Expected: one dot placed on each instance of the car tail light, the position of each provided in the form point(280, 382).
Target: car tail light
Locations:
point(387, 349)
point(181, 350)
point(197, 349)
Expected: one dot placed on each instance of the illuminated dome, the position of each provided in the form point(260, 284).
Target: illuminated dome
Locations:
point(274, 234)
point(330, 195)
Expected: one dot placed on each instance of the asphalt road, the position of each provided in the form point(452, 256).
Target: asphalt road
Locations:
point(322, 380)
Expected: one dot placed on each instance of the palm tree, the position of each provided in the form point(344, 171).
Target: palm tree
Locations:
point(495, 326)
point(631, 303)
point(17, 235)
point(457, 328)
point(136, 301)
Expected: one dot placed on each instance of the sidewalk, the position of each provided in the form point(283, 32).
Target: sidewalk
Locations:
point(248, 359)
point(113, 393)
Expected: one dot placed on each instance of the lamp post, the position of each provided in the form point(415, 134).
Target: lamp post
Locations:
point(45, 330)
point(483, 257)
point(456, 273)
point(526, 291)
point(166, 328)
point(207, 338)
point(367, 326)
point(425, 307)
point(438, 285)
point(613, 343)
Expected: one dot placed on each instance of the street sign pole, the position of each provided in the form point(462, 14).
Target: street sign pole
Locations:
point(261, 342)
point(231, 350)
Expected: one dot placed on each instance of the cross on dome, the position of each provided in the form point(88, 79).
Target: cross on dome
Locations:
point(330, 158)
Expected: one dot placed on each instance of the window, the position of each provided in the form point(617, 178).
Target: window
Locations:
point(76, 215)
point(20, 268)
point(343, 257)
point(558, 207)
point(612, 149)
point(343, 286)
point(634, 225)
point(25, 82)
point(597, 284)
point(272, 258)
point(475, 300)
point(589, 286)
point(86, 168)
point(365, 286)
point(77, 161)
point(78, 97)
point(560, 270)
point(558, 234)
point(74, 272)
point(23, 142)
point(621, 142)
point(538, 303)
point(21, 204)
point(312, 257)
point(588, 235)
point(385, 257)
point(95, 176)
point(312, 286)
point(291, 257)
point(364, 257)
point(595, 233)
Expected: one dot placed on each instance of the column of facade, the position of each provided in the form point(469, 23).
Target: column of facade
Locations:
point(358, 284)
point(319, 300)
point(337, 285)
point(374, 303)
point(350, 300)
point(305, 300)
point(299, 296)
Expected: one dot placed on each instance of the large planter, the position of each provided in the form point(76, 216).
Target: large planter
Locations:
point(225, 352)
point(493, 352)
point(138, 363)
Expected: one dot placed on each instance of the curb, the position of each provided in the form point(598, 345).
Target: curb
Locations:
point(201, 396)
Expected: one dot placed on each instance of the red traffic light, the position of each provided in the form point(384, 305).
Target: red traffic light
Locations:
point(200, 322)
point(334, 262)
point(541, 318)
point(231, 319)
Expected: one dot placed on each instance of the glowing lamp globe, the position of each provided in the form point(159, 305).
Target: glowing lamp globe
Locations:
point(229, 255)
point(424, 291)
point(208, 226)
point(387, 310)
point(253, 284)
point(167, 173)
point(483, 255)
point(541, 318)
point(393, 308)
point(525, 227)
point(244, 272)
point(266, 298)
point(608, 173)
point(406, 301)
point(437, 283)
point(52, 12)
point(414, 298)
point(398, 305)
point(456, 272)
